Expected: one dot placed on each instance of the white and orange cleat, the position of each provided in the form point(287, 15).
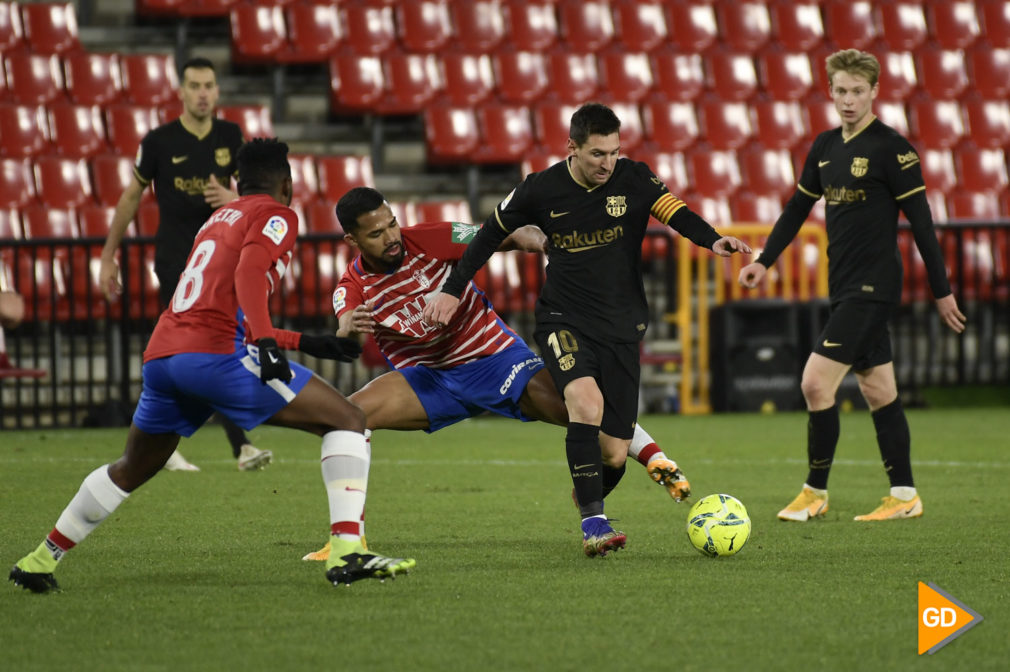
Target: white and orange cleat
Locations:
point(808, 504)
point(668, 474)
point(176, 462)
point(892, 508)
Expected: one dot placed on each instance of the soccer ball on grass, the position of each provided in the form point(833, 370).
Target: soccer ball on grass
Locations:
point(718, 525)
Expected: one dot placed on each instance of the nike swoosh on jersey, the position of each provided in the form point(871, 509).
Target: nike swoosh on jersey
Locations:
point(555, 215)
point(821, 164)
point(829, 344)
point(179, 159)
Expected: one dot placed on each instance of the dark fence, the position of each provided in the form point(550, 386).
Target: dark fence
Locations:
point(89, 349)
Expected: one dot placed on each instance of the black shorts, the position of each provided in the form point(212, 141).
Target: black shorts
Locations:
point(569, 354)
point(857, 334)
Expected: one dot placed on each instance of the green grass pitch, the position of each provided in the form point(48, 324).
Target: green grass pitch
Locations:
point(204, 572)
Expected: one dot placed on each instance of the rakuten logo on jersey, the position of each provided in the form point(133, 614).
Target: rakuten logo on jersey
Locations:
point(516, 368)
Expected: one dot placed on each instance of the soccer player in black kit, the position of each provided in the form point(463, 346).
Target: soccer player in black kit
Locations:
point(190, 162)
point(866, 172)
point(594, 208)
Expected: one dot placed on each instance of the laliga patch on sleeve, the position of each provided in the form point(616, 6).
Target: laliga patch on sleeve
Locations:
point(339, 299)
point(276, 229)
point(504, 204)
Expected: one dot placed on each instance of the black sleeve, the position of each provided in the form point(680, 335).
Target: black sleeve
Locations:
point(480, 249)
point(786, 227)
point(916, 209)
point(689, 224)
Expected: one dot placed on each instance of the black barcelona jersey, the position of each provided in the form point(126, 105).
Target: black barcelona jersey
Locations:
point(180, 165)
point(863, 180)
point(594, 274)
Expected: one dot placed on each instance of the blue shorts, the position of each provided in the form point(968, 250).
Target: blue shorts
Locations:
point(492, 383)
point(182, 391)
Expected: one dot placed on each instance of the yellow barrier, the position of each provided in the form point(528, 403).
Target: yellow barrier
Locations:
point(703, 279)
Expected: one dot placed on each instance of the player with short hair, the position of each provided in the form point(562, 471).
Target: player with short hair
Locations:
point(592, 312)
point(190, 162)
point(443, 377)
point(867, 173)
point(215, 350)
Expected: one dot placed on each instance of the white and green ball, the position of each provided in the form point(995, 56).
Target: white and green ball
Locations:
point(718, 525)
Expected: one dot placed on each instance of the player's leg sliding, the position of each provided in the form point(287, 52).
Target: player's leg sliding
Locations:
point(894, 441)
point(822, 439)
point(97, 497)
point(660, 468)
point(344, 463)
point(323, 553)
point(586, 463)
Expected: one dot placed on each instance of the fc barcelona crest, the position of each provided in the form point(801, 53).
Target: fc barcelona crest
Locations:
point(616, 205)
point(860, 164)
point(222, 155)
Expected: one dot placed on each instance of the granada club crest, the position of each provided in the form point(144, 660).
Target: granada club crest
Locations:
point(222, 155)
point(616, 205)
point(421, 279)
point(860, 164)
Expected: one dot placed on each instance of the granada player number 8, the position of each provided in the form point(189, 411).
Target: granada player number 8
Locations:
point(191, 280)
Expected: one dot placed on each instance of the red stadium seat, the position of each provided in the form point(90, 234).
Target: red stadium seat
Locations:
point(726, 125)
point(468, 78)
point(937, 205)
point(450, 132)
point(990, 70)
point(626, 74)
point(669, 167)
point(423, 26)
point(506, 133)
point(254, 120)
point(996, 17)
point(731, 76)
point(942, 73)
point(411, 81)
point(574, 77)
point(454, 210)
point(640, 24)
point(159, 7)
point(479, 25)
point(206, 8)
point(713, 209)
point(321, 217)
point(148, 219)
point(357, 83)
point(24, 130)
point(10, 225)
point(937, 122)
point(92, 79)
point(903, 25)
point(551, 125)
point(521, 76)
point(11, 31)
point(938, 170)
point(338, 174)
point(77, 130)
point(258, 33)
point(110, 175)
point(304, 178)
point(369, 27)
point(632, 129)
point(821, 116)
point(894, 115)
point(33, 79)
point(42, 283)
point(42, 222)
point(314, 32)
point(973, 205)
point(785, 75)
point(671, 126)
point(988, 122)
point(954, 25)
point(17, 188)
point(694, 27)
point(149, 79)
point(538, 159)
point(796, 26)
point(50, 28)
point(851, 24)
point(767, 171)
point(744, 26)
point(127, 125)
point(587, 24)
point(982, 169)
point(779, 123)
point(403, 212)
point(62, 182)
point(898, 78)
point(715, 172)
point(532, 24)
point(678, 76)
point(750, 208)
